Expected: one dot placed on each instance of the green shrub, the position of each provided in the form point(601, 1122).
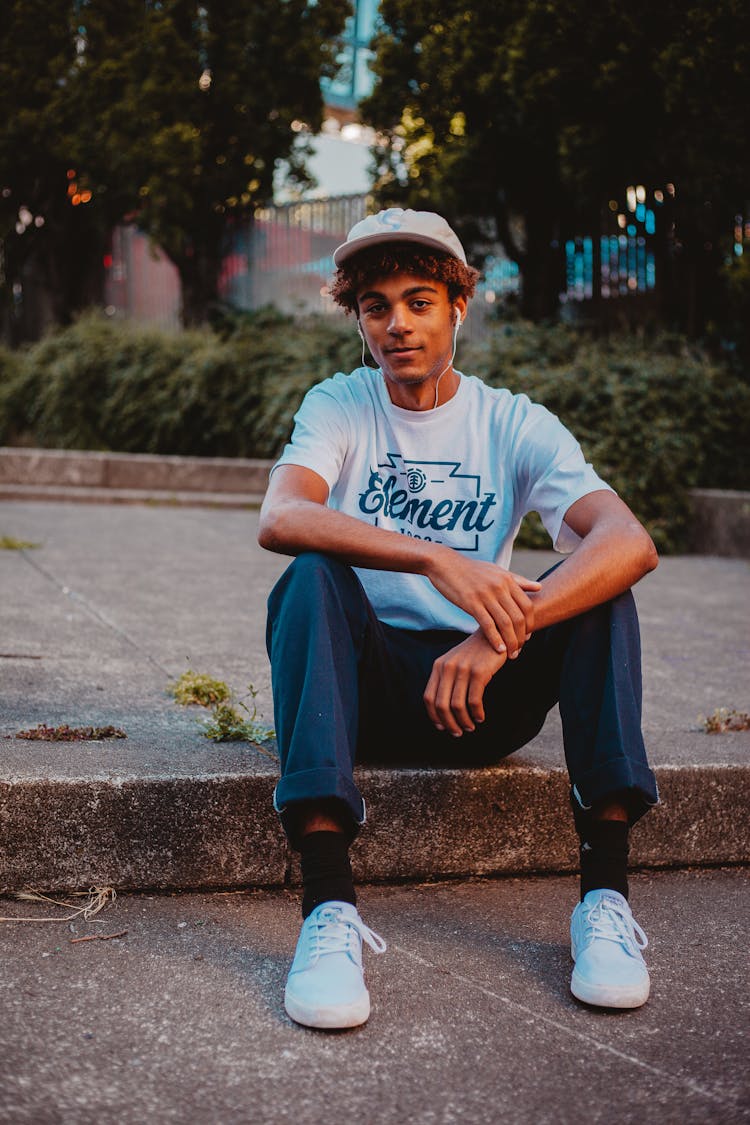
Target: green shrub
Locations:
point(655, 418)
point(12, 384)
point(103, 385)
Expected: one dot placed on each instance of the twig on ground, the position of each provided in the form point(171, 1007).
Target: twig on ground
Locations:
point(97, 899)
point(97, 937)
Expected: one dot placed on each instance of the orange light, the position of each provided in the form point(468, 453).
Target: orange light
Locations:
point(76, 199)
point(71, 173)
point(85, 196)
point(72, 189)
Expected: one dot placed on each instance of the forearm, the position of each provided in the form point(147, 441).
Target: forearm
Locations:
point(296, 526)
point(496, 599)
point(609, 560)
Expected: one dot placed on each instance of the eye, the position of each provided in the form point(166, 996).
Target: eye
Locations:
point(376, 308)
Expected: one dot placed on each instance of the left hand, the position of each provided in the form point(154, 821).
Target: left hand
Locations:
point(454, 696)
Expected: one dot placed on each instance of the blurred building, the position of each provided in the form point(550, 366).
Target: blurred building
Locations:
point(285, 256)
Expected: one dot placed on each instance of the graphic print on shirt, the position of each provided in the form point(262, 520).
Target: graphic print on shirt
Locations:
point(429, 500)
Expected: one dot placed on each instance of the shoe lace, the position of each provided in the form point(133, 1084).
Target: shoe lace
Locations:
point(335, 933)
point(612, 922)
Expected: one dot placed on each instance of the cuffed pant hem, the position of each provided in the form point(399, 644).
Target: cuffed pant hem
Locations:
point(617, 776)
point(313, 785)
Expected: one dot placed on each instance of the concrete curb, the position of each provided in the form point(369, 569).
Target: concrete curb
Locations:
point(721, 522)
point(77, 494)
point(187, 832)
point(60, 469)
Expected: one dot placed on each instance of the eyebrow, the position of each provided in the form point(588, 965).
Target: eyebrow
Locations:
point(406, 293)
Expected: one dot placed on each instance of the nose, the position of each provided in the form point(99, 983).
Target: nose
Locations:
point(398, 323)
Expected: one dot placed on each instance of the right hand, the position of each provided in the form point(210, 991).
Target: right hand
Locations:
point(497, 599)
point(454, 695)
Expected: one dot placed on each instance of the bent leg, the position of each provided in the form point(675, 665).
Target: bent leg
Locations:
point(600, 708)
point(318, 617)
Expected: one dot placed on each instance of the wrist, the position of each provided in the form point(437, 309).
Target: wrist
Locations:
point(433, 558)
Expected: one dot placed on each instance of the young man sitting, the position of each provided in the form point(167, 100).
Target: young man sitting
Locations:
point(399, 634)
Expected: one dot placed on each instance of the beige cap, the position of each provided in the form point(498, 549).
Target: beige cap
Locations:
point(399, 225)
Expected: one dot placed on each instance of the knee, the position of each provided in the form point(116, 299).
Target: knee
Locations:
point(620, 610)
point(307, 578)
point(315, 566)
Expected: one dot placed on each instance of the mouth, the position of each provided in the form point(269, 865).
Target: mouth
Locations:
point(402, 351)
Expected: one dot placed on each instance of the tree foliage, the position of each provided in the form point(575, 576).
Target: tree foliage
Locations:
point(532, 113)
point(45, 244)
point(174, 113)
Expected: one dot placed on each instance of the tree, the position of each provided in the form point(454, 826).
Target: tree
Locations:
point(532, 113)
point(197, 107)
point(49, 248)
point(172, 113)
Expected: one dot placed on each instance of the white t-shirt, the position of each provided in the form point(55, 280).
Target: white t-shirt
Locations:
point(464, 475)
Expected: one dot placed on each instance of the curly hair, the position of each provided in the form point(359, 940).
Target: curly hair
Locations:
point(400, 257)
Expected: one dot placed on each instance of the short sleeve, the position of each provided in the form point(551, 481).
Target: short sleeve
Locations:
point(552, 474)
point(320, 438)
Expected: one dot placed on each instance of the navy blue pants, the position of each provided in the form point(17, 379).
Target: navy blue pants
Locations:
point(347, 686)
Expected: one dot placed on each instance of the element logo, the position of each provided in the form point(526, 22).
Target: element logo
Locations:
point(454, 504)
point(415, 479)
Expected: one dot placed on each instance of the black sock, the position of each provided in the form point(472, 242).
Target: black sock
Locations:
point(326, 870)
point(604, 856)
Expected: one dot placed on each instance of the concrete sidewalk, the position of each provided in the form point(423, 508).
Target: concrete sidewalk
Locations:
point(181, 1020)
point(117, 601)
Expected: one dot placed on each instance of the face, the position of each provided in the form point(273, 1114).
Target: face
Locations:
point(408, 322)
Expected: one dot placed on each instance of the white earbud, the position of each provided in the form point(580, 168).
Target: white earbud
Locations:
point(457, 324)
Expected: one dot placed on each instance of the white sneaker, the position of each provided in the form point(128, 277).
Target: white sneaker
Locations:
point(326, 987)
point(606, 943)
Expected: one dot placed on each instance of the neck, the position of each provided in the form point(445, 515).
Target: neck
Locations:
point(422, 396)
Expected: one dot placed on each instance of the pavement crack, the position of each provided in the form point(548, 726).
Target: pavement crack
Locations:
point(679, 1080)
point(94, 612)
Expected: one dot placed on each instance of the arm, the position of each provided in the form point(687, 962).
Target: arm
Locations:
point(614, 553)
point(294, 518)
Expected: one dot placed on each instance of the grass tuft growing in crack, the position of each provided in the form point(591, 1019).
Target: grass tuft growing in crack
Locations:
point(196, 687)
point(232, 719)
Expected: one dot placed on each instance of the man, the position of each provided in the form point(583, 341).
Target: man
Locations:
point(398, 634)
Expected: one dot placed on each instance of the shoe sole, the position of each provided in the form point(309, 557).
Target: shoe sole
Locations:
point(609, 996)
point(329, 1018)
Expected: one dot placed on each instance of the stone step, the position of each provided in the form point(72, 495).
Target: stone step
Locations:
point(181, 829)
point(132, 472)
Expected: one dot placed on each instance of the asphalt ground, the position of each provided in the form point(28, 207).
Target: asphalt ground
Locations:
point(181, 1018)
